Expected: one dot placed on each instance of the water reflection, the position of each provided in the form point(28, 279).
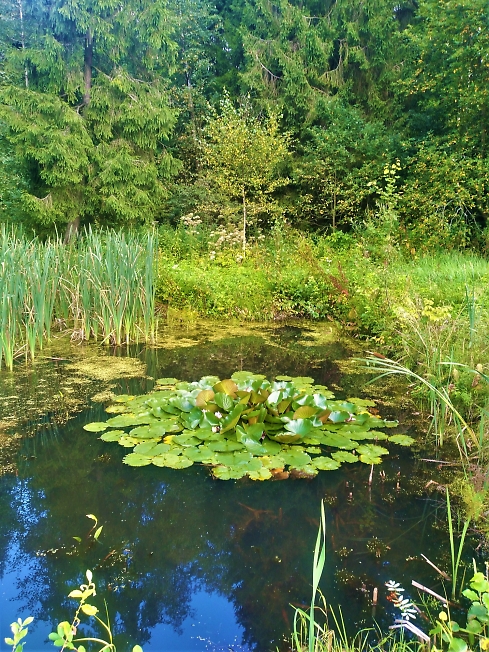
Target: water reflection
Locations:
point(186, 562)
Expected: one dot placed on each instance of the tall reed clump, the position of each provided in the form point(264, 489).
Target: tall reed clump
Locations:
point(103, 287)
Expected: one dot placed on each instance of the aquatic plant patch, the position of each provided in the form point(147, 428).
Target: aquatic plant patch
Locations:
point(247, 426)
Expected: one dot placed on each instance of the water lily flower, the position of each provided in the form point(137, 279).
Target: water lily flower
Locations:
point(218, 415)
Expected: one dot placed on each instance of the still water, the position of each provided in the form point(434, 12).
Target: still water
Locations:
point(185, 562)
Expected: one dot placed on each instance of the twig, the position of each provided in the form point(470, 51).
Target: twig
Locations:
point(429, 591)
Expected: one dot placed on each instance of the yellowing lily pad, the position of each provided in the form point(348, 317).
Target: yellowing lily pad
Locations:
point(135, 459)
point(96, 426)
point(261, 474)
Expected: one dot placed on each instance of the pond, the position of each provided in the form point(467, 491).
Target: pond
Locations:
point(186, 562)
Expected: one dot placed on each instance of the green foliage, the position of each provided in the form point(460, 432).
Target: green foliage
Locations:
point(84, 106)
point(245, 157)
point(19, 632)
point(245, 426)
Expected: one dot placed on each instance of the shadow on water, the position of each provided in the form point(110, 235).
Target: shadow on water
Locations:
point(189, 563)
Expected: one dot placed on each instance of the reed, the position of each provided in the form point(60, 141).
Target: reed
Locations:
point(103, 286)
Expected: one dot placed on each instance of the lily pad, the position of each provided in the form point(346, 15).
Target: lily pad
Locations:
point(325, 463)
point(344, 456)
point(295, 458)
point(96, 426)
point(261, 474)
point(113, 435)
point(402, 440)
point(228, 473)
point(305, 412)
point(116, 409)
point(148, 432)
point(300, 381)
point(127, 442)
point(300, 427)
point(125, 420)
point(371, 454)
point(224, 446)
point(135, 459)
point(201, 454)
point(151, 448)
point(166, 381)
point(186, 440)
point(339, 416)
point(338, 441)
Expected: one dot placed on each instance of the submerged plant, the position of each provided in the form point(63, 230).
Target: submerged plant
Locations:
point(247, 426)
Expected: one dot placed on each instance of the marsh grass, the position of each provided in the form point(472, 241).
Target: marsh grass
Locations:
point(102, 287)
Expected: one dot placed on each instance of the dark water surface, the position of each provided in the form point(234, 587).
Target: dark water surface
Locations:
point(188, 563)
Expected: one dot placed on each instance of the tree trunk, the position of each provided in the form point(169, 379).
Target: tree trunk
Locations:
point(87, 69)
point(244, 224)
point(71, 230)
point(22, 41)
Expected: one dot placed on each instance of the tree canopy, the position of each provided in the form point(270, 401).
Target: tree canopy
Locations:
point(124, 114)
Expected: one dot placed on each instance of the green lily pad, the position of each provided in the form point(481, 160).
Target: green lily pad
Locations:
point(125, 420)
point(273, 462)
point(339, 416)
point(271, 447)
point(255, 448)
point(171, 460)
point(313, 450)
point(166, 381)
point(372, 449)
point(224, 401)
point(371, 454)
point(286, 378)
point(344, 456)
point(113, 435)
point(224, 446)
point(402, 440)
point(300, 427)
point(326, 463)
point(151, 448)
point(148, 432)
point(228, 473)
point(123, 398)
point(295, 458)
point(338, 441)
point(186, 440)
point(135, 459)
point(96, 426)
point(207, 434)
point(201, 454)
point(127, 442)
point(300, 381)
point(285, 438)
point(241, 458)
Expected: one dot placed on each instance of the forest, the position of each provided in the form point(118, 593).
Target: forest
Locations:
point(318, 115)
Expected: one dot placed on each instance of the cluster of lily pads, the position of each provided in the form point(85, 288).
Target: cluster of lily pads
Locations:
point(246, 426)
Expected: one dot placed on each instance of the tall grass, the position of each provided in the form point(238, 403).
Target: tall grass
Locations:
point(103, 287)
